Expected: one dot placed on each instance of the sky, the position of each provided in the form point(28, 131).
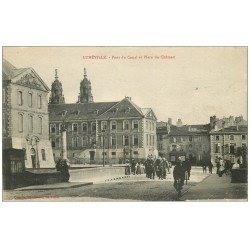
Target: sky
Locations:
point(190, 83)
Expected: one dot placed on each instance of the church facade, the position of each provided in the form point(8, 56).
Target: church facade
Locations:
point(25, 115)
point(98, 132)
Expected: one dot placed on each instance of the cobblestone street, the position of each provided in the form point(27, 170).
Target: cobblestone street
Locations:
point(135, 188)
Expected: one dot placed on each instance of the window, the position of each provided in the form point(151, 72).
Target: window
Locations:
point(135, 152)
point(113, 125)
point(93, 127)
point(147, 140)
point(3, 95)
point(4, 123)
point(30, 123)
point(150, 140)
point(147, 125)
point(232, 148)
point(126, 125)
point(30, 99)
point(153, 140)
point(40, 125)
point(43, 155)
point(20, 98)
point(52, 128)
point(39, 102)
point(53, 142)
point(217, 137)
point(113, 154)
point(84, 127)
point(136, 140)
point(174, 147)
point(217, 148)
point(74, 142)
point(104, 125)
point(135, 124)
point(113, 140)
point(20, 123)
point(75, 127)
point(244, 145)
point(150, 126)
point(231, 137)
point(153, 126)
point(84, 141)
point(243, 137)
point(126, 140)
point(190, 138)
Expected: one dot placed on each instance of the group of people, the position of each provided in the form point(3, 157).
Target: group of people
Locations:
point(159, 168)
point(151, 167)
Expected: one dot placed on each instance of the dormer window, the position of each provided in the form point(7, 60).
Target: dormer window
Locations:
point(127, 110)
point(115, 110)
point(96, 111)
point(77, 112)
point(64, 112)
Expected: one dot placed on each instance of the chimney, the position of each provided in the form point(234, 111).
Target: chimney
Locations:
point(170, 121)
point(179, 123)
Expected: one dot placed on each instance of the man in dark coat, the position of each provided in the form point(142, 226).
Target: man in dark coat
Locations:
point(179, 173)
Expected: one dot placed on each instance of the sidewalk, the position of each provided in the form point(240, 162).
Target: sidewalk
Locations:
point(54, 186)
point(215, 188)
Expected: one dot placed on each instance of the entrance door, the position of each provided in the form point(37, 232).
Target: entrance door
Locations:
point(92, 155)
point(33, 157)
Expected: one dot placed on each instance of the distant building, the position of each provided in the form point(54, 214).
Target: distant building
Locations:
point(118, 130)
point(226, 142)
point(25, 115)
point(188, 141)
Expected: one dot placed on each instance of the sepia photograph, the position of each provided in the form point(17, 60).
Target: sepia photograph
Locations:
point(124, 124)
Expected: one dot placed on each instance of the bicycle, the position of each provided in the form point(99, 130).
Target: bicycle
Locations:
point(178, 187)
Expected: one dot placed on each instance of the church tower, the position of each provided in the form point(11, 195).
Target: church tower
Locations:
point(85, 95)
point(56, 96)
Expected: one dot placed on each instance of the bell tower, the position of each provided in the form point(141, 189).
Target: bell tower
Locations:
point(56, 96)
point(85, 95)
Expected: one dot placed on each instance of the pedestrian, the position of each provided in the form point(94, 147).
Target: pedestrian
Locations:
point(204, 167)
point(179, 173)
point(133, 168)
point(188, 167)
point(210, 167)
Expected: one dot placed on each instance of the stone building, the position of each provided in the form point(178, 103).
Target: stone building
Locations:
point(97, 131)
point(25, 115)
point(226, 142)
point(187, 141)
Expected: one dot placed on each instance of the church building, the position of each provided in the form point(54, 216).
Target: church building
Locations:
point(100, 131)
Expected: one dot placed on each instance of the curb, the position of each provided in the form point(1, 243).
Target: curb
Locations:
point(54, 188)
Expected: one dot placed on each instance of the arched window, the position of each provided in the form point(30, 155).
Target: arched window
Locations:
point(126, 125)
point(30, 123)
point(20, 98)
point(20, 123)
point(30, 100)
point(39, 102)
point(43, 155)
point(40, 125)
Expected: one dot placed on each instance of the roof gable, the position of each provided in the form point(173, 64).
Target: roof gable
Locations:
point(123, 109)
point(149, 113)
point(23, 76)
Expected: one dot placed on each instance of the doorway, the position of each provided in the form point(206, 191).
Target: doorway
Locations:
point(33, 157)
point(92, 156)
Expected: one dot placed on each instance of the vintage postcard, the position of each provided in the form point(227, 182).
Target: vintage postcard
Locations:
point(124, 124)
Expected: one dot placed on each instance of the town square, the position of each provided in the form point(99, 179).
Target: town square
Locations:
point(91, 128)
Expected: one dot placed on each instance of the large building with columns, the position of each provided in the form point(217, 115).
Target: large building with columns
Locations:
point(25, 115)
point(97, 131)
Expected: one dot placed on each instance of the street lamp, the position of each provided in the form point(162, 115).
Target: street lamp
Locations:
point(103, 149)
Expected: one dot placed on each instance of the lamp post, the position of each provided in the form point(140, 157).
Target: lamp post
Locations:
point(103, 148)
